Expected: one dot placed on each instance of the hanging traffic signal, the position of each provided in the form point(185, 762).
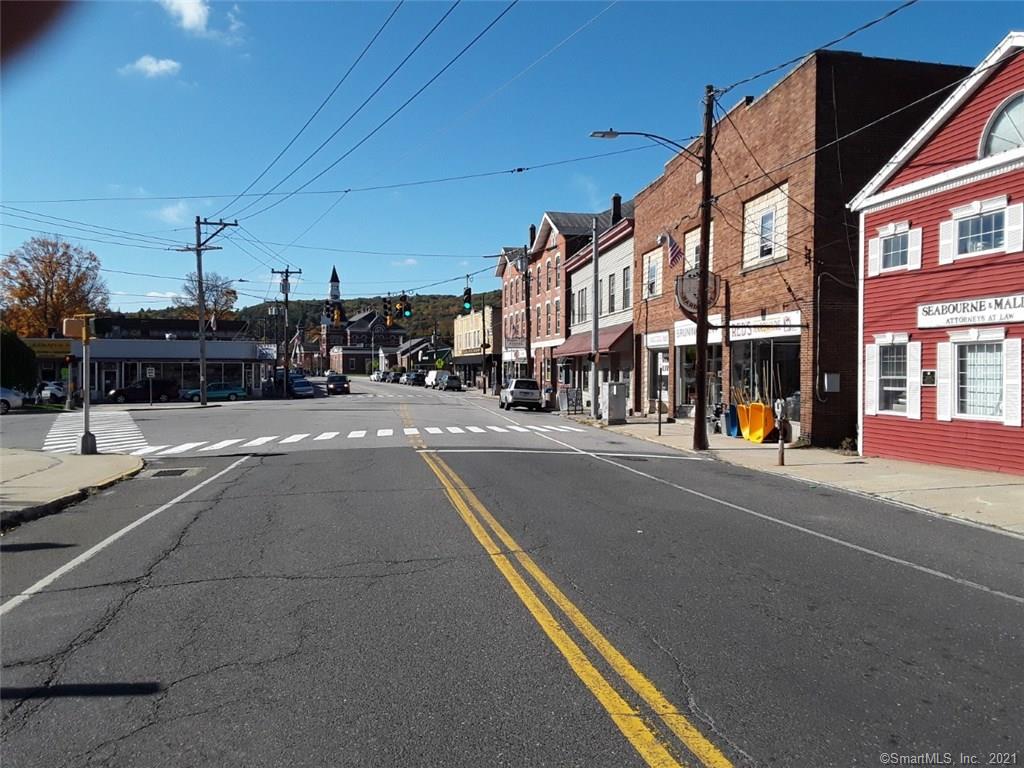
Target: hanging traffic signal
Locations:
point(389, 320)
point(406, 309)
point(467, 299)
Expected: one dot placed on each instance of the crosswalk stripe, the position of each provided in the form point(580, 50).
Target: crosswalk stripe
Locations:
point(411, 431)
point(221, 444)
point(456, 430)
point(148, 449)
point(182, 448)
point(575, 429)
point(517, 429)
point(476, 429)
point(295, 438)
point(326, 436)
point(259, 441)
point(357, 433)
point(385, 432)
point(496, 429)
point(433, 431)
point(558, 428)
point(539, 429)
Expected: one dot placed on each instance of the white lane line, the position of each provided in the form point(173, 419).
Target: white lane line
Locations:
point(296, 438)
point(433, 431)
point(411, 431)
point(476, 429)
point(802, 529)
point(259, 441)
point(46, 581)
point(456, 430)
point(149, 449)
point(182, 448)
point(326, 436)
point(221, 444)
point(497, 429)
point(517, 428)
point(357, 433)
point(385, 432)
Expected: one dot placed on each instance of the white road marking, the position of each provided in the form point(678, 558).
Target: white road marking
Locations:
point(326, 436)
point(296, 438)
point(456, 430)
point(539, 429)
point(221, 444)
point(476, 429)
point(182, 448)
point(433, 431)
point(517, 428)
point(497, 429)
point(385, 432)
point(149, 449)
point(47, 580)
point(411, 431)
point(357, 433)
point(259, 441)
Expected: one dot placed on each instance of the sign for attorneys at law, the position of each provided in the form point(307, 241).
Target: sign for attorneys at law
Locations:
point(993, 309)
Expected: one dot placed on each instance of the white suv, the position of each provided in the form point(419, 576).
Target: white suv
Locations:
point(521, 392)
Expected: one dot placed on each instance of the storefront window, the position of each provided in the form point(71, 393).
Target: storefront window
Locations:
point(892, 378)
point(767, 369)
point(232, 373)
point(979, 376)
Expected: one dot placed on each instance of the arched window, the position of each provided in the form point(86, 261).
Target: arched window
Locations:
point(1005, 130)
point(547, 286)
point(558, 273)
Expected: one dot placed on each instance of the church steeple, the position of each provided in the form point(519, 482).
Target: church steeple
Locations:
point(335, 294)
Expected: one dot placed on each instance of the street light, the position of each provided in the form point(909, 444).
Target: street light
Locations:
point(700, 426)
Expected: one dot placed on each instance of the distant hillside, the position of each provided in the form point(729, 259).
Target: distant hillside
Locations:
point(426, 309)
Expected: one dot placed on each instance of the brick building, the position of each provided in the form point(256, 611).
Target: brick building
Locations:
point(942, 280)
point(782, 241)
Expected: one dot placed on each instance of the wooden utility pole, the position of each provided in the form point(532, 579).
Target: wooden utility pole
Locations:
point(286, 287)
point(203, 245)
point(700, 422)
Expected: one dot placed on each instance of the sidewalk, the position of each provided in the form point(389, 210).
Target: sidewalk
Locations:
point(987, 498)
point(33, 484)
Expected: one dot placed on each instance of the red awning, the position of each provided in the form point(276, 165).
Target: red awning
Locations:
point(607, 338)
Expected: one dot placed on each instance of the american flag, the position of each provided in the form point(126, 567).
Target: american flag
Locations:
point(675, 253)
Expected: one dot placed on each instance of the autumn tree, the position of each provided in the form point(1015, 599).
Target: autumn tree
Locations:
point(45, 281)
point(218, 294)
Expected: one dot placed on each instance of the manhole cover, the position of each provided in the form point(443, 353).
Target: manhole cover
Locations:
point(170, 473)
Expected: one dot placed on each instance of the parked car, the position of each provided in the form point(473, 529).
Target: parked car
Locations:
point(451, 383)
point(375, 376)
point(10, 398)
point(164, 390)
point(53, 392)
point(417, 379)
point(337, 384)
point(395, 377)
point(431, 380)
point(300, 387)
point(520, 392)
point(218, 390)
point(403, 379)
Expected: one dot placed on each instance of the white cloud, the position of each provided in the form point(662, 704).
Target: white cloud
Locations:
point(163, 294)
point(175, 213)
point(191, 15)
point(151, 66)
point(405, 263)
point(235, 24)
point(589, 187)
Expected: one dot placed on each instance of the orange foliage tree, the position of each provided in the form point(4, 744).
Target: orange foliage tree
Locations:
point(45, 281)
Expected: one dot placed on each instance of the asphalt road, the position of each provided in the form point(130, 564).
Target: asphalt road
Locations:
point(544, 597)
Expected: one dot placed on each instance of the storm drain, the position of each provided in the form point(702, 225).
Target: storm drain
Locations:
point(170, 473)
point(176, 472)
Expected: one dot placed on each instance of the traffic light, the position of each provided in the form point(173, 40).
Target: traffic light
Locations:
point(406, 309)
point(467, 298)
point(389, 320)
point(336, 317)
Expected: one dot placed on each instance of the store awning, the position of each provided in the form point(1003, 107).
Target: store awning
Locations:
point(607, 340)
point(469, 360)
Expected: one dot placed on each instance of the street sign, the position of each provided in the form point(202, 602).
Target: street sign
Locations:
point(439, 363)
point(150, 372)
point(688, 289)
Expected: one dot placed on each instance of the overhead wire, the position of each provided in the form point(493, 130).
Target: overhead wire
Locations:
point(358, 109)
point(397, 111)
point(317, 111)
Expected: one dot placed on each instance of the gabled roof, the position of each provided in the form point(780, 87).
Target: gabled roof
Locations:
point(411, 345)
point(507, 254)
point(576, 224)
point(1009, 46)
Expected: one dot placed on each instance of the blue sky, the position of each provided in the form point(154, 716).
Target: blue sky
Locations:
point(180, 98)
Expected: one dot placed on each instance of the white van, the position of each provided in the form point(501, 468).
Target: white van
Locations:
point(432, 378)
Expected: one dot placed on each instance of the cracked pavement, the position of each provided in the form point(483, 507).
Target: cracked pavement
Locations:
point(330, 607)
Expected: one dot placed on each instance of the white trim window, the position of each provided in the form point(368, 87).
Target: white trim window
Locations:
point(982, 228)
point(611, 292)
point(765, 227)
point(558, 316)
point(627, 288)
point(1005, 129)
point(691, 248)
point(897, 248)
point(652, 273)
point(892, 376)
point(979, 377)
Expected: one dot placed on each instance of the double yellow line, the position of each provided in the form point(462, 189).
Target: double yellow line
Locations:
point(647, 742)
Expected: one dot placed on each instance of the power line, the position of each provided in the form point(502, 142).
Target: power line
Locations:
point(85, 239)
point(374, 188)
point(396, 112)
point(841, 38)
point(359, 109)
point(132, 235)
point(316, 112)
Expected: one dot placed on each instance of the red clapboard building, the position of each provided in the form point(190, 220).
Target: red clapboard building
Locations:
point(942, 280)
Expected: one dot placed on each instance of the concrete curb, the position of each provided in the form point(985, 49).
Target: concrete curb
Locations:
point(10, 518)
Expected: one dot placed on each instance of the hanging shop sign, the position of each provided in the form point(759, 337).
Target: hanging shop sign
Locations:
point(993, 309)
point(688, 289)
